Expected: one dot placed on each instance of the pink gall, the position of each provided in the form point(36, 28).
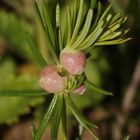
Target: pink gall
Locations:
point(73, 61)
point(80, 90)
point(51, 81)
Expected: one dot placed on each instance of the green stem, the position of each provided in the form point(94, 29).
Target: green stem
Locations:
point(62, 133)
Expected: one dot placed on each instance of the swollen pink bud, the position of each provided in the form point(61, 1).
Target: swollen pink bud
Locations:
point(80, 90)
point(51, 81)
point(73, 61)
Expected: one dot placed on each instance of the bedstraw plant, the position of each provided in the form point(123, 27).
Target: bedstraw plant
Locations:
point(71, 41)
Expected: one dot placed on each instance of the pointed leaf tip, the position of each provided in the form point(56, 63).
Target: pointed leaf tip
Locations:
point(97, 89)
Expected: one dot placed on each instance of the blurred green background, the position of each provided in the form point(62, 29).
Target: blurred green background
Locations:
point(114, 68)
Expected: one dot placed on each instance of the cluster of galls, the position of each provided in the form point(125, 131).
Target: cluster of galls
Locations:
point(66, 77)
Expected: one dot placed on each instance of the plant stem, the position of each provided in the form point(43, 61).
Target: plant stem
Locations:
point(62, 133)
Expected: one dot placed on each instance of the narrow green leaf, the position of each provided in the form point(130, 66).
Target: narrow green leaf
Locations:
point(57, 47)
point(77, 113)
point(51, 47)
point(57, 116)
point(97, 89)
point(45, 119)
point(58, 26)
point(72, 84)
point(33, 130)
point(125, 19)
point(119, 21)
point(108, 18)
point(112, 42)
point(48, 22)
point(93, 4)
point(116, 17)
point(69, 25)
point(90, 40)
point(80, 80)
point(37, 56)
point(48, 39)
point(38, 13)
point(80, 132)
point(125, 31)
point(85, 29)
point(105, 13)
point(64, 31)
point(78, 22)
point(127, 138)
point(97, 16)
point(64, 119)
point(12, 93)
point(90, 50)
point(107, 21)
point(60, 40)
point(57, 15)
point(80, 118)
point(91, 36)
point(74, 14)
point(115, 27)
point(108, 32)
point(111, 36)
